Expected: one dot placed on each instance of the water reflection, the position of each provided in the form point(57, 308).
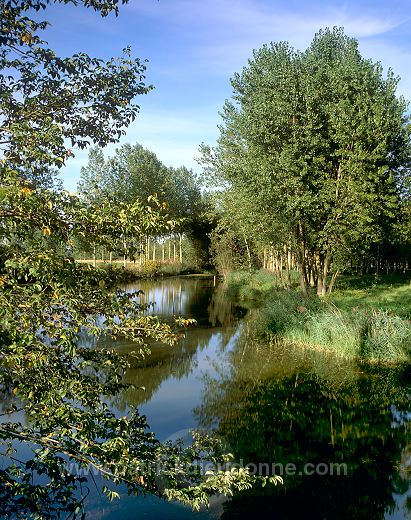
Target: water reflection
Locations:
point(280, 405)
point(197, 297)
point(272, 404)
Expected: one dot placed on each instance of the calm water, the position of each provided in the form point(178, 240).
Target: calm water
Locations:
point(271, 405)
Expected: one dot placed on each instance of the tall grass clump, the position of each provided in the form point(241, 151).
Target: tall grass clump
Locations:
point(385, 337)
point(331, 329)
point(375, 336)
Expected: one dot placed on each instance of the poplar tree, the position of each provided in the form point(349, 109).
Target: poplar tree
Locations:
point(319, 142)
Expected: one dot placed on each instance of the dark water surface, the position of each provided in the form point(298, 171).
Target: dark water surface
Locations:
point(309, 414)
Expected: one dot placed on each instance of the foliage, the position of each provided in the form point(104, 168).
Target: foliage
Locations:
point(253, 286)
point(46, 302)
point(235, 238)
point(63, 102)
point(365, 318)
point(54, 391)
point(149, 268)
point(218, 481)
point(228, 249)
point(318, 144)
point(135, 173)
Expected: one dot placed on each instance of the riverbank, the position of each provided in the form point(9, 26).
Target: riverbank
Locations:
point(366, 318)
point(150, 269)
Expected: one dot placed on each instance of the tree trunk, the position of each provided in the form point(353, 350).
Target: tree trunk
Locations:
point(288, 266)
point(125, 253)
point(248, 253)
point(280, 269)
point(301, 261)
point(332, 281)
point(312, 276)
point(322, 275)
point(181, 248)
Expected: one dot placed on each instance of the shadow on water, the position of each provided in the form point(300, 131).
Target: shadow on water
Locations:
point(337, 433)
point(301, 414)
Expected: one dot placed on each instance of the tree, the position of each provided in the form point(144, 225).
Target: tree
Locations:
point(319, 142)
point(47, 300)
point(233, 240)
point(93, 176)
point(63, 102)
point(135, 173)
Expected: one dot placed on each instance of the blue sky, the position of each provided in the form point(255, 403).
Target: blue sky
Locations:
point(195, 46)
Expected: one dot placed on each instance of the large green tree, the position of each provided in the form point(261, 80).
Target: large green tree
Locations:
point(319, 142)
point(53, 390)
point(134, 173)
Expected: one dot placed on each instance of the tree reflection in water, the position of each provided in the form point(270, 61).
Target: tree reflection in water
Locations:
point(280, 405)
point(196, 298)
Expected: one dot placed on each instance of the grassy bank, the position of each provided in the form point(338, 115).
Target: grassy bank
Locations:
point(135, 271)
point(365, 319)
point(391, 293)
point(245, 286)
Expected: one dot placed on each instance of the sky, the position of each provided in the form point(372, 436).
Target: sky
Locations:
point(193, 47)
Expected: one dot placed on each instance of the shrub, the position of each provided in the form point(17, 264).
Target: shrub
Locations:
point(149, 268)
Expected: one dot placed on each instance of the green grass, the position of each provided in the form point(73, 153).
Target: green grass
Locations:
point(391, 293)
point(243, 285)
point(366, 318)
point(369, 335)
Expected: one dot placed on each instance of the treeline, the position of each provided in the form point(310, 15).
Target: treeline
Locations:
point(134, 175)
point(314, 160)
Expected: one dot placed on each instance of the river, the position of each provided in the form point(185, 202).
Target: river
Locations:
point(337, 432)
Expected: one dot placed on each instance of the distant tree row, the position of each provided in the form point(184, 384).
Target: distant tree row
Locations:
point(313, 160)
point(135, 175)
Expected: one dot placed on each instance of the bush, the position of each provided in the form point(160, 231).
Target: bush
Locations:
point(149, 268)
point(385, 337)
